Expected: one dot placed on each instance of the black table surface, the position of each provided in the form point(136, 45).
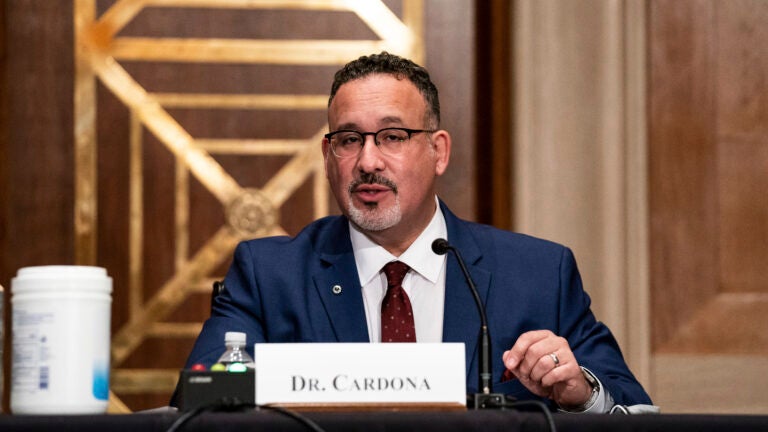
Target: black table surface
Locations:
point(485, 421)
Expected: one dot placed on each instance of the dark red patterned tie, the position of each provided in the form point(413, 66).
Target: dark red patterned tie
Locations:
point(396, 312)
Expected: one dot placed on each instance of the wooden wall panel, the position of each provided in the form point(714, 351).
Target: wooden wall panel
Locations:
point(743, 255)
point(709, 210)
point(742, 123)
point(682, 164)
point(708, 166)
point(449, 32)
point(36, 158)
point(494, 105)
point(4, 190)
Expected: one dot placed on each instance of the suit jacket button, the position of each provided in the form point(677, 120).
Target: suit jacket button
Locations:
point(336, 289)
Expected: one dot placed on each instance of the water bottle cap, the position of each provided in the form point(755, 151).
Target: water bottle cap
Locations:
point(235, 337)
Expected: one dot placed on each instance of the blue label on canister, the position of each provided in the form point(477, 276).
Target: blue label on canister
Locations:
point(101, 382)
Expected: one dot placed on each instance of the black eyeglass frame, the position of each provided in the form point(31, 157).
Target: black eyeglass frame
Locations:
point(410, 133)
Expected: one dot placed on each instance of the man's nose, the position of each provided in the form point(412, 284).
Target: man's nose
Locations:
point(370, 158)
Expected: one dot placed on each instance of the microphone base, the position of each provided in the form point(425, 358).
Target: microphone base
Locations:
point(480, 401)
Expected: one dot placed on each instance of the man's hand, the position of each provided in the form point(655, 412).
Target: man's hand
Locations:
point(545, 365)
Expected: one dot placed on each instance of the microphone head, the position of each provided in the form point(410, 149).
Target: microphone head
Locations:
point(441, 246)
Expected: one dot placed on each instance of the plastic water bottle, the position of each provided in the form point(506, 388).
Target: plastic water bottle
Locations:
point(235, 358)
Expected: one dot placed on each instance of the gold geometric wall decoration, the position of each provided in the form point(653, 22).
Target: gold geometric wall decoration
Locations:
point(249, 212)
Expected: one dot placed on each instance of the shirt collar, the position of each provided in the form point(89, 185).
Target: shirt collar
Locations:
point(370, 257)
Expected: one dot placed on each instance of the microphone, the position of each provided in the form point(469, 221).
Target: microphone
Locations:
point(487, 398)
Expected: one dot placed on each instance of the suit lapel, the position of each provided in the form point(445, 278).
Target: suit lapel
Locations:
point(461, 321)
point(338, 284)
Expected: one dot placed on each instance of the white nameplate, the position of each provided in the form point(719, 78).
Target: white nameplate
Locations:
point(360, 373)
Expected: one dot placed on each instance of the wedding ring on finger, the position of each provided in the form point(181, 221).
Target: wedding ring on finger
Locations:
point(555, 359)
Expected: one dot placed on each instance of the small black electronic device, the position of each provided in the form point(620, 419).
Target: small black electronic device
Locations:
point(202, 388)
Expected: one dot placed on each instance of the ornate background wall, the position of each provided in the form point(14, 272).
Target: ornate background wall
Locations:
point(149, 137)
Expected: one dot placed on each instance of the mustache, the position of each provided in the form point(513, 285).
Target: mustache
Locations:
point(372, 178)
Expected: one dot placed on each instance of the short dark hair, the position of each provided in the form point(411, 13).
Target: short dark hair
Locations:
point(399, 67)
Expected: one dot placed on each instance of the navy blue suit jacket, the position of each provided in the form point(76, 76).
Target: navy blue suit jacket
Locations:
point(280, 290)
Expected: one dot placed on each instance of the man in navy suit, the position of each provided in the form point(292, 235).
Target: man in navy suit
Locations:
point(382, 157)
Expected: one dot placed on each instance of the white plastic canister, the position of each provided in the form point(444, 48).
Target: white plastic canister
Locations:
point(60, 332)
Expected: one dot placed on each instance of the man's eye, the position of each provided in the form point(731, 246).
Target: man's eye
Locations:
point(349, 140)
point(393, 138)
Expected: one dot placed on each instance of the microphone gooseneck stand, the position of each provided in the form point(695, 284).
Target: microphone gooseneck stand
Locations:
point(486, 398)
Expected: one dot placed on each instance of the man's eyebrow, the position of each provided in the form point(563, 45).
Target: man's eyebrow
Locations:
point(384, 122)
point(391, 120)
point(346, 126)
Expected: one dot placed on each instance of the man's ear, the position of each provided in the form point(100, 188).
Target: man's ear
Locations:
point(326, 151)
point(441, 143)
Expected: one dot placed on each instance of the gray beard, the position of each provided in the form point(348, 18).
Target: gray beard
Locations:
point(373, 218)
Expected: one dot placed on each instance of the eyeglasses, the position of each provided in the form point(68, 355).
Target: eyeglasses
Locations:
point(391, 141)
